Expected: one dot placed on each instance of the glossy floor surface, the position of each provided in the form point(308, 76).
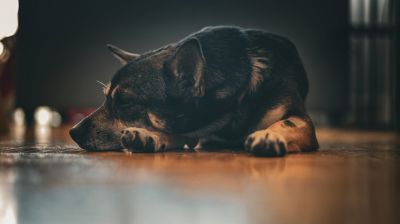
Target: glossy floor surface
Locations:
point(45, 178)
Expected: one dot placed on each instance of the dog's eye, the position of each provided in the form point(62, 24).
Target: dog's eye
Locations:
point(122, 101)
point(123, 104)
point(127, 107)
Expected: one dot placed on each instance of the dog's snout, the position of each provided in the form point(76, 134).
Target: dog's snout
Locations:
point(96, 132)
point(79, 131)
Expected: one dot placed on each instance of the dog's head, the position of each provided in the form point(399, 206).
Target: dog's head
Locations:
point(162, 90)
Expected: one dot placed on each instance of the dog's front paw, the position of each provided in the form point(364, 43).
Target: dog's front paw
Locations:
point(266, 143)
point(141, 140)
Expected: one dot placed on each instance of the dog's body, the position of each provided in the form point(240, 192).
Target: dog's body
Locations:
point(219, 87)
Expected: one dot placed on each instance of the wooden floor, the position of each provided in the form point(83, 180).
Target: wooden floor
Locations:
point(45, 178)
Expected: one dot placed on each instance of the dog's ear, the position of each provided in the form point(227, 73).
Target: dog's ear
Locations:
point(123, 56)
point(188, 64)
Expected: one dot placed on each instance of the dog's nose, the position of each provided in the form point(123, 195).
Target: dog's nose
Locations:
point(75, 133)
point(79, 131)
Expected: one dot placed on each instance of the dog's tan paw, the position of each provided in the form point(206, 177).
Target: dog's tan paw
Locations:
point(141, 140)
point(266, 143)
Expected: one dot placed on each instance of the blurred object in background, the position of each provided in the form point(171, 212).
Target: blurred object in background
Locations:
point(373, 60)
point(8, 27)
point(19, 117)
point(45, 119)
point(18, 127)
point(7, 82)
point(45, 116)
point(8, 18)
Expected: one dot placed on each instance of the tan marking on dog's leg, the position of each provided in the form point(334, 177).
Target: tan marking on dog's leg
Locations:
point(271, 117)
point(299, 133)
point(293, 134)
point(156, 121)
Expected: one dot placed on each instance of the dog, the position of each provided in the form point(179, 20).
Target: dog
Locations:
point(220, 87)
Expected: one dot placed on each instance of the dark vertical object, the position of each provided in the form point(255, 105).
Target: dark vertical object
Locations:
point(373, 64)
point(396, 17)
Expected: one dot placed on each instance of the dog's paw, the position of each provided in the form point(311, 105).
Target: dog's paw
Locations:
point(141, 140)
point(266, 143)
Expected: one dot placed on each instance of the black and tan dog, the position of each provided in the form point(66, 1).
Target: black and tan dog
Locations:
point(222, 86)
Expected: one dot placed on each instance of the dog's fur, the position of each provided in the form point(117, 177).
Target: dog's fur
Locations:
point(222, 86)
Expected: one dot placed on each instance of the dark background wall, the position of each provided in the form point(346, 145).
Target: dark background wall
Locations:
point(61, 44)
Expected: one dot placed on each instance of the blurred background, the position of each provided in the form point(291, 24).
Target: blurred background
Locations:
point(52, 52)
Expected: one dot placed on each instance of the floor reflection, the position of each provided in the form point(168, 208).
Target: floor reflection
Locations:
point(76, 188)
point(8, 207)
point(17, 133)
point(42, 134)
point(139, 203)
point(51, 180)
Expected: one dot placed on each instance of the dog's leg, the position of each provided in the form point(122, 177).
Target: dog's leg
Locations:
point(293, 134)
point(142, 140)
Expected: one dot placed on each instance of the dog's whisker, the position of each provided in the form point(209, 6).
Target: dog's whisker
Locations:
point(105, 87)
point(101, 83)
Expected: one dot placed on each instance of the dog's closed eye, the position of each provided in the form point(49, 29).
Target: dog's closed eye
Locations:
point(123, 101)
